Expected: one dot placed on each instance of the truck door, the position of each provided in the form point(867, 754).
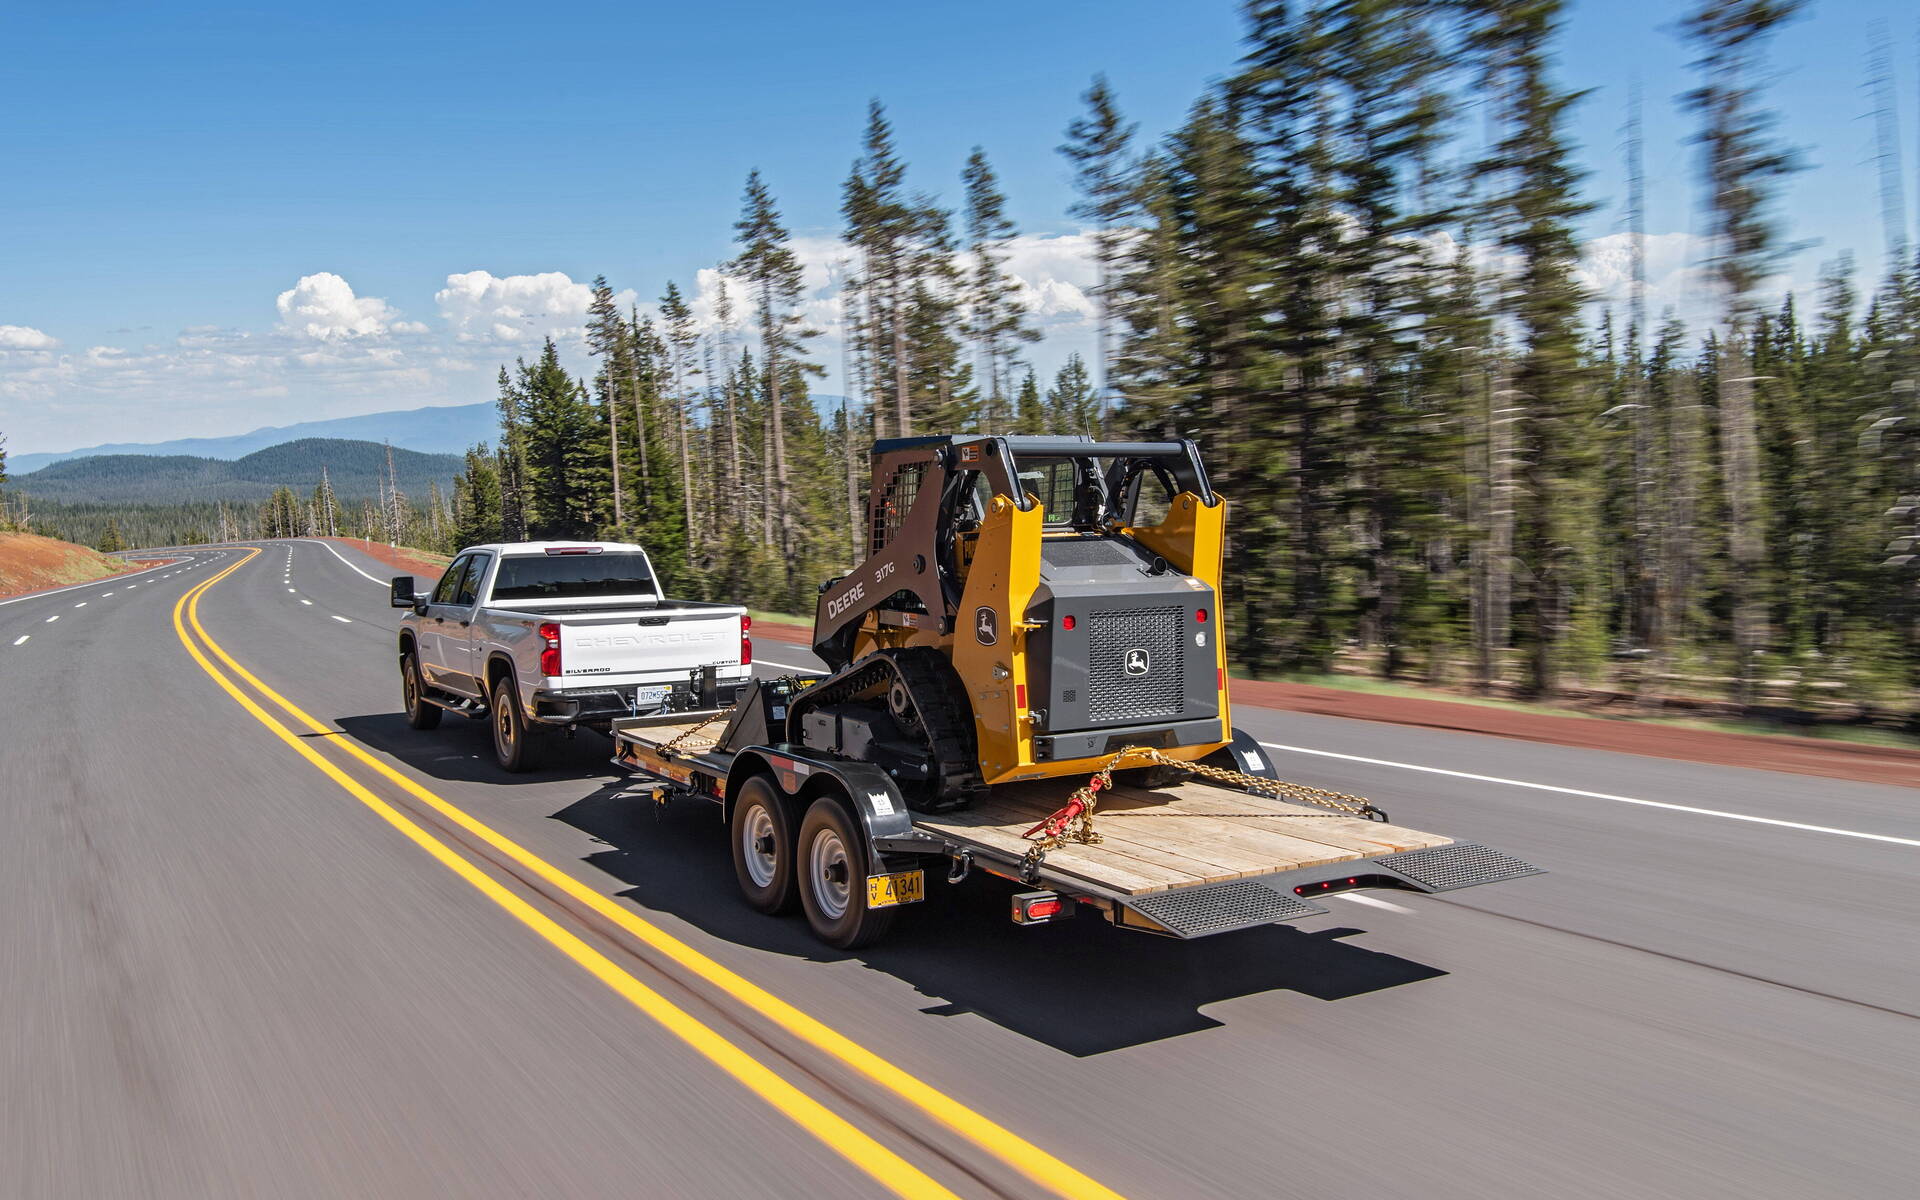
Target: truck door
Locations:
point(459, 637)
point(434, 623)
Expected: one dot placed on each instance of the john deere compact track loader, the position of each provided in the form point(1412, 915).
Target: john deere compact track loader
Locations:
point(1035, 632)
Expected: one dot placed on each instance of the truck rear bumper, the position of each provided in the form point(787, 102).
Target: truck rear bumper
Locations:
point(599, 706)
point(1212, 908)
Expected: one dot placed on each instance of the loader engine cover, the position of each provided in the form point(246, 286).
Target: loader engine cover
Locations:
point(1121, 641)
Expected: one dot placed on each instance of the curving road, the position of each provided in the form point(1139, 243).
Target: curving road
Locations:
point(236, 964)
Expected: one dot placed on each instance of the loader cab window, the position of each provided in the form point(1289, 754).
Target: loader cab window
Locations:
point(1068, 490)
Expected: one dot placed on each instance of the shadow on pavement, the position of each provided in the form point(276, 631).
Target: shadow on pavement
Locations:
point(1080, 986)
point(461, 750)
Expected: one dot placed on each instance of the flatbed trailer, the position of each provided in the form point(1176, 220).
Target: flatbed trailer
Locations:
point(1186, 860)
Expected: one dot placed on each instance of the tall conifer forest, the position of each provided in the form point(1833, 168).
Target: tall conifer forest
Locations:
point(1352, 276)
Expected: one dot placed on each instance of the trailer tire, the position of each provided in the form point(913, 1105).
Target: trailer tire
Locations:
point(420, 714)
point(514, 746)
point(832, 880)
point(763, 846)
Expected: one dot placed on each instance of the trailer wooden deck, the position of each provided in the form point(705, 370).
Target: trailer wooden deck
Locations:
point(1191, 833)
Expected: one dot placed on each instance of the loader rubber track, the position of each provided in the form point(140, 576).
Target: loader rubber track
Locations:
point(945, 717)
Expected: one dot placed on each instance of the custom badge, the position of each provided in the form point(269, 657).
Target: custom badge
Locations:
point(1137, 661)
point(986, 626)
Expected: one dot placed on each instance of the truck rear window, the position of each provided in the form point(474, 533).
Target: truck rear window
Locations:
point(571, 577)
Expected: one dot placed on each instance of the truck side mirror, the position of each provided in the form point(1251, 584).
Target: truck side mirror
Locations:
point(403, 596)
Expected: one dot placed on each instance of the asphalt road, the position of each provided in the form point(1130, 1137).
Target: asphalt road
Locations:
point(228, 975)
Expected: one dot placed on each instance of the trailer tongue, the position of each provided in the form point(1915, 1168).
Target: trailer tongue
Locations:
point(1027, 676)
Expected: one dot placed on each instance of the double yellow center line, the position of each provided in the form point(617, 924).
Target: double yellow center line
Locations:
point(857, 1147)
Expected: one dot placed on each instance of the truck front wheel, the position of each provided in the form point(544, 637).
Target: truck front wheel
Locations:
point(420, 714)
point(833, 886)
point(762, 837)
point(513, 745)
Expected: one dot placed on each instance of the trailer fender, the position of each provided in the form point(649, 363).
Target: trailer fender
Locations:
point(1247, 755)
point(868, 791)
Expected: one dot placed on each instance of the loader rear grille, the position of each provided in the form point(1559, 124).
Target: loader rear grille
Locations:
point(1459, 865)
point(1136, 668)
point(1198, 911)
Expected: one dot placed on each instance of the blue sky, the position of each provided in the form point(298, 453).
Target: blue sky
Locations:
point(167, 174)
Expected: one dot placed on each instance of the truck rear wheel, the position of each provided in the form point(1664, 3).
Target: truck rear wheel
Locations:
point(514, 747)
point(420, 714)
point(833, 887)
point(763, 847)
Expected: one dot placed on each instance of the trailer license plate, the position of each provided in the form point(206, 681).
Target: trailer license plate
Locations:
point(902, 887)
point(651, 697)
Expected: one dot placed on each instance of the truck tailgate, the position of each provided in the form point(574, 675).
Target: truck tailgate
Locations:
point(628, 646)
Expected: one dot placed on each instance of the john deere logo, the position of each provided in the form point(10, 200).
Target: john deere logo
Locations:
point(1137, 661)
point(986, 627)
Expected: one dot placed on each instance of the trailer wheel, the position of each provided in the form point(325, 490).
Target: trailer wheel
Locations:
point(420, 714)
point(513, 745)
point(763, 847)
point(833, 879)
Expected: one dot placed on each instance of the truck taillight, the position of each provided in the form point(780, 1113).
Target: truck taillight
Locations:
point(550, 653)
point(746, 643)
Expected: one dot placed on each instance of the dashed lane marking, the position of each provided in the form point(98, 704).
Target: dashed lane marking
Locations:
point(22, 639)
point(53, 618)
point(82, 604)
point(341, 619)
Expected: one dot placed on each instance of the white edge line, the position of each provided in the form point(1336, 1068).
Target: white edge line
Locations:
point(343, 558)
point(1567, 791)
point(76, 586)
point(760, 660)
point(1371, 902)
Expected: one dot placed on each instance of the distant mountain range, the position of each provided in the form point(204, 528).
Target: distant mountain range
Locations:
point(353, 467)
point(443, 430)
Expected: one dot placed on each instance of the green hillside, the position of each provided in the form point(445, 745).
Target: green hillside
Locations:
point(355, 469)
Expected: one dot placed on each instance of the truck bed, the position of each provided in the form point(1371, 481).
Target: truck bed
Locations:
point(1176, 837)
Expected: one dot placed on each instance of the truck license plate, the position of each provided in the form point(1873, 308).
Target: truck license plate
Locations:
point(901, 887)
point(651, 697)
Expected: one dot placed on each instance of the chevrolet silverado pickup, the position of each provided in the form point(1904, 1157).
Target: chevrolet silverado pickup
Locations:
point(538, 636)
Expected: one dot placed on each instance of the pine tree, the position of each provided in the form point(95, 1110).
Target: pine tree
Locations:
point(997, 318)
point(1743, 166)
point(767, 264)
point(1530, 213)
point(1098, 144)
point(607, 338)
point(111, 542)
point(1073, 403)
point(1030, 410)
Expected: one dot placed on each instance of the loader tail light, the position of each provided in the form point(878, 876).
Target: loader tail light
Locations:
point(746, 643)
point(550, 651)
point(1200, 615)
point(1067, 623)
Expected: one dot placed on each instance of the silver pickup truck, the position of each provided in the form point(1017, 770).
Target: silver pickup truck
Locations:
point(557, 635)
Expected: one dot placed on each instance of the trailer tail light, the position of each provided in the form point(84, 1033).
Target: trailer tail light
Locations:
point(1067, 623)
point(1037, 908)
point(1347, 884)
point(550, 651)
point(746, 643)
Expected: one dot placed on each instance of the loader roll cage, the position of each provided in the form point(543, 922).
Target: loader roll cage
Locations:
point(927, 493)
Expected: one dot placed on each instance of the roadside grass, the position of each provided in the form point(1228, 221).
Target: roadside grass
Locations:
point(1864, 735)
point(29, 563)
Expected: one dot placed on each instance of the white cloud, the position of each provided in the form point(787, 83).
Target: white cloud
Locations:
point(323, 307)
point(482, 307)
point(25, 337)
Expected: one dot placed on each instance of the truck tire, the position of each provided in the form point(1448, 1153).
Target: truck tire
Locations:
point(420, 714)
point(833, 879)
point(514, 746)
point(763, 847)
